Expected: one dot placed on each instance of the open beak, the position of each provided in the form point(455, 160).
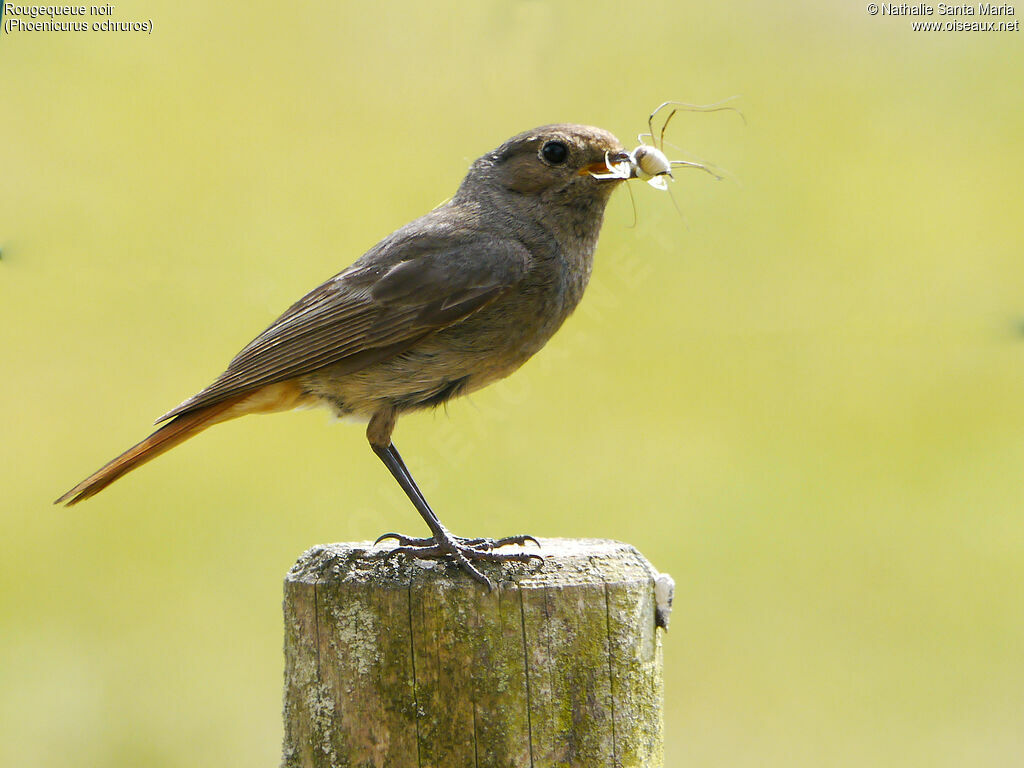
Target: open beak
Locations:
point(604, 167)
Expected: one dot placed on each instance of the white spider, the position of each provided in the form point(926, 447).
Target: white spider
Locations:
point(648, 162)
point(651, 165)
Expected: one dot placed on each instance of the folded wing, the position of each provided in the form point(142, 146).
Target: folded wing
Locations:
point(406, 288)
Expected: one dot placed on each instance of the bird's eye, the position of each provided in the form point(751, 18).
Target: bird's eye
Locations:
point(555, 152)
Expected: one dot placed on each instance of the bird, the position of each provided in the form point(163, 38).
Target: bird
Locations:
point(449, 303)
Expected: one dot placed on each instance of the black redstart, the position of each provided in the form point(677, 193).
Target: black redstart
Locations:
point(445, 305)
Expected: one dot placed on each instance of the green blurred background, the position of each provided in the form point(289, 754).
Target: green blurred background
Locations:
point(804, 399)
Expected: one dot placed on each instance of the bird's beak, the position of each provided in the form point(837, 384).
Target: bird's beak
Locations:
point(605, 166)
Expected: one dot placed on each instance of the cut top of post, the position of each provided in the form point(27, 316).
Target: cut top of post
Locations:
point(567, 562)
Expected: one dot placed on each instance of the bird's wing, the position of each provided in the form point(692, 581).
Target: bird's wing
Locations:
point(407, 287)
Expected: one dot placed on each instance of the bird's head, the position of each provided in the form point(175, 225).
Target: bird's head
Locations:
point(554, 164)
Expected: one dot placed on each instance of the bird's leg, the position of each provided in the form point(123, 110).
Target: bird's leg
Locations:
point(482, 543)
point(407, 540)
point(443, 543)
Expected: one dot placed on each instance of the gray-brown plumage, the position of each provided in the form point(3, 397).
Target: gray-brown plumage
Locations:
point(443, 306)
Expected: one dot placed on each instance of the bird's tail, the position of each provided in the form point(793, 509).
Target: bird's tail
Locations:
point(166, 437)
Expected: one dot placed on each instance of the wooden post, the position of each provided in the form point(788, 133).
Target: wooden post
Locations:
point(401, 663)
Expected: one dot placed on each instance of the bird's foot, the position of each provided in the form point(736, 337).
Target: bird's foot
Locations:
point(463, 551)
point(482, 544)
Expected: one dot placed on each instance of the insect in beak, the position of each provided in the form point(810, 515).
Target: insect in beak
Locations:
point(616, 165)
point(649, 161)
point(651, 165)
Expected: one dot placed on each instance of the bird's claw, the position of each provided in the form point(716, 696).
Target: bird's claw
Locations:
point(403, 541)
point(479, 544)
point(463, 551)
point(520, 539)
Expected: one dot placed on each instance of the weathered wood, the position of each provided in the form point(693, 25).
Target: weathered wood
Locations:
point(406, 664)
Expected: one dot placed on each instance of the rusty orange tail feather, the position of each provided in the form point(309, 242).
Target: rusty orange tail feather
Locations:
point(165, 438)
point(280, 396)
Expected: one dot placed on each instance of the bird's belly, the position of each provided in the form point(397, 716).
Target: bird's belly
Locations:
point(423, 377)
point(456, 361)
